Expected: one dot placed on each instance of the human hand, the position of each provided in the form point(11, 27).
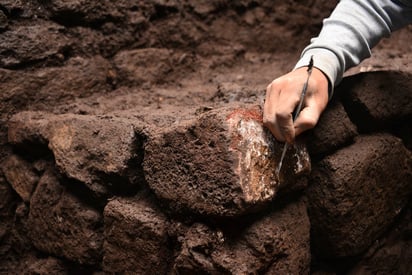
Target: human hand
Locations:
point(282, 97)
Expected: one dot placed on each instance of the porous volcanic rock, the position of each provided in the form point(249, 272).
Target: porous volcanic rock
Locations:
point(277, 243)
point(62, 225)
point(41, 89)
point(7, 207)
point(135, 237)
point(222, 163)
point(150, 65)
point(333, 131)
point(21, 176)
point(23, 44)
point(356, 193)
point(376, 100)
point(94, 150)
point(392, 253)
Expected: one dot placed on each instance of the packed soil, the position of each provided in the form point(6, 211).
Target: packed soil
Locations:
point(162, 60)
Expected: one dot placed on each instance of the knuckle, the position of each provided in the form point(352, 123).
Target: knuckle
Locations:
point(311, 122)
point(283, 116)
point(274, 85)
point(267, 121)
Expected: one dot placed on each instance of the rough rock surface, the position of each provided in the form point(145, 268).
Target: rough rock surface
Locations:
point(391, 253)
point(135, 237)
point(43, 40)
point(42, 88)
point(21, 176)
point(387, 102)
point(98, 151)
point(62, 225)
point(90, 88)
point(222, 164)
point(274, 244)
point(7, 206)
point(356, 194)
point(334, 131)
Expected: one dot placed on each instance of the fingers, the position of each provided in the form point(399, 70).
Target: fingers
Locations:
point(307, 119)
point(282, 97)
point(269, 111)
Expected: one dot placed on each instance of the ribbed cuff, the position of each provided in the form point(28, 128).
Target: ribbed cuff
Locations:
point(327, 62)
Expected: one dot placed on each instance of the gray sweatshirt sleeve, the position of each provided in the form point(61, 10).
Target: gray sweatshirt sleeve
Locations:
point(348, 35)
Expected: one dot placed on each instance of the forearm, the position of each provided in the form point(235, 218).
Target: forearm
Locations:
point(352, 30)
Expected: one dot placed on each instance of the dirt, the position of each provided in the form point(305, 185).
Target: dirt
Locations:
point(109, 75)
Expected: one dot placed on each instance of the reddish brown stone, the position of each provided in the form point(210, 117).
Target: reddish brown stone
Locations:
point(135, 238)
point(223, 163)
point(356, 194)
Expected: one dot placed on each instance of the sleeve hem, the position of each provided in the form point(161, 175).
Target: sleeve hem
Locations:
point(327, 62)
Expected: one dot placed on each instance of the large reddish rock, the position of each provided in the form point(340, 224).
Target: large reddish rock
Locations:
point(136, 239)
point(222, 163)
point(356, 193)
point(378, 99)
point(62, 225)
point(277, 243)
point(99, 151)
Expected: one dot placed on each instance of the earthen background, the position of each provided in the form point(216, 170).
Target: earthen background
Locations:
point(98, 97)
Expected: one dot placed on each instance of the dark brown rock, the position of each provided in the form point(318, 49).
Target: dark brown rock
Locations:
point(275, 244)
point(61, 225)
point(44, 88)
point(390, 254)
point(95, 13)
point(135, 237)
point(150, 65)
point(21, 176)
point(49, 265)
point(23, 44)
point(223, 163)
point(333, 131)
point(378, 99)
point(33, 264)
point(23, 9)
point(100, 152)
point(7, 206)
point(3, 21)
point(134, 65)
point(356, 194)
point(105, 27)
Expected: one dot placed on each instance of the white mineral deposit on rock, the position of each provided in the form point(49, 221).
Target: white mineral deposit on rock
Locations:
point(256, 167)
